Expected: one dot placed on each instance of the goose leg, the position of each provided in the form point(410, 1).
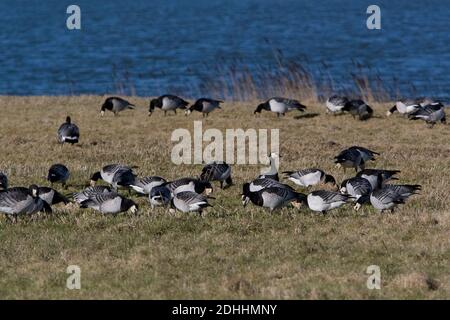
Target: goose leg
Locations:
point(175, 111)
point(165, 113)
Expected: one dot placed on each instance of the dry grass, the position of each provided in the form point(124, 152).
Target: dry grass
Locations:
point(230, 252)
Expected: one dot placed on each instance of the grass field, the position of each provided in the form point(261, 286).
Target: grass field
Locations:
point(231, 251)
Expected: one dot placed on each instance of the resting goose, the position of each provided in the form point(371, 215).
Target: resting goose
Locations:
point(146, 184)
point(377, 177)
point(204, 105)
point(109, 203)
point(159, 196)
point(167, 103)
point(404, 107)
point(188, 201)
point(89, 192)
point(272, 197)
point(217, 171)
point(430, 113)
point(189, 184)
point(20, 201)
point(280, 106)
point(68, 132)
point(350, 158)
point(336, 103)
point(58, 173)
point(274, 159)
point(323, 200)
point(309, 177)
point(115, 105)
point(117, 175)
point(358, 108)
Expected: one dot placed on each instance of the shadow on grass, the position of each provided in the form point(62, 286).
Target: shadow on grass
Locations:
point(307, 116)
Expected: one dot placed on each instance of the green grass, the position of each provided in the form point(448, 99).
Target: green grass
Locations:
point(231, 251)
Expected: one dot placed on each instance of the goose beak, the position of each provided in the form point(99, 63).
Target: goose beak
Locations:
point(102, 113)
point(296, 204)
point(245, 200)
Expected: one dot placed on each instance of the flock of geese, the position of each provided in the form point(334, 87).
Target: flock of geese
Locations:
point(193, 194)
point(428, 110)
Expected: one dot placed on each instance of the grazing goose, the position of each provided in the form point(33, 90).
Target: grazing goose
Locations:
point(115, 105)
point(280, 106)
point(366, 154)
point(264, 183)
point(430, 113)
point(20, 201)
point(356, 187)
point(404, 107)
point(336, 103)
point(116, 175)
point(204, 105)
point(189, 184)
point(274, 159)
point(68, 132)
point(309, 177)
point(377, 177)
point(89, 192)
point(358, 108)
point(3, 181)
point(188, 201)
point(167, 103)
point(323, 200)
point(389, 196)
point(159, 196)
point(272, 197)
point(58, 173)
point(109, 203)
point(51, 196)
point(350, 158)
point(217, 171)
point(146, 184)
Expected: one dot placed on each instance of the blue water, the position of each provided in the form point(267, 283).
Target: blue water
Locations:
point(154, 47)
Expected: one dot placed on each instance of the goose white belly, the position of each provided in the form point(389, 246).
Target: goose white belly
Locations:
point(307, 180)
point(278, 107)
point(168, 104)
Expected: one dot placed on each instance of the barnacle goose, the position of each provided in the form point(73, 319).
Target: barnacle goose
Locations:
point(68, 132)
point(430, 113)
point(189, 201)
point(217, 171)
point(18, 201)
point(358, 108)
point(323, 200)
point(3, 181)
point(350, 158)
point(404, 107)
point(89, 192)
point(109, 203)
point(117, 175)
point(309, 177)
point(389, 196)
point(146, 184)
point(159, 196)
point(58, 173)
point(356, 187)
point(377, 177)
point(115, 105)
point(274, 159)
point(272, 197)
point(336, 103)
point(167, 103)
point(189, 184)
point(204, 105)
point(280, 106)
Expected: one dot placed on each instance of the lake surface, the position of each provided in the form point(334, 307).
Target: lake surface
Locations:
point(153, 47)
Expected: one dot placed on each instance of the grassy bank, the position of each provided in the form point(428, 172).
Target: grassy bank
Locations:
point(230, 252)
